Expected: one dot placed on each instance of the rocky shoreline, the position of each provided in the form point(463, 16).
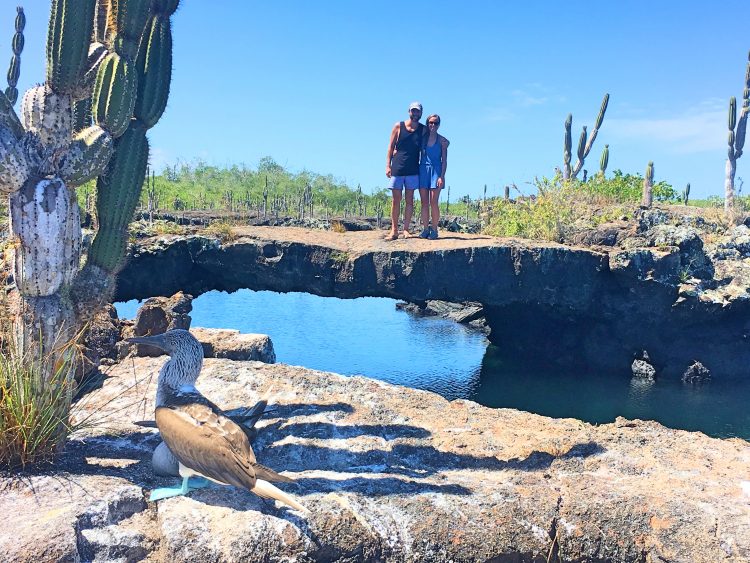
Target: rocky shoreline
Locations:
point(670, 285)
point(390, 474)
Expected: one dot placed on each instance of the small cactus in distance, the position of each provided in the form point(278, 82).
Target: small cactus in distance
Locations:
point(585, 142)
point(736, 139)
point(604, 160)
point(648, 186)
point(686, 194)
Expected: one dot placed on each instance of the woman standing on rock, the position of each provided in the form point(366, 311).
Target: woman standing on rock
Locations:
point(432, 166)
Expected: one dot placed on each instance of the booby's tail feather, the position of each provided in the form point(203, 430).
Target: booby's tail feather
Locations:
point(268, 474)
point(267, 490)
point(252, 415)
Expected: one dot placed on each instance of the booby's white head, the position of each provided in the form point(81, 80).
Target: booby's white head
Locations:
point(184, 366)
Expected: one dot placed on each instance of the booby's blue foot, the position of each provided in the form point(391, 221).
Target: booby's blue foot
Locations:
point(186, 486)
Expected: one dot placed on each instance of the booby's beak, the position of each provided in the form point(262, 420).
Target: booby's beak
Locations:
point(158, 341)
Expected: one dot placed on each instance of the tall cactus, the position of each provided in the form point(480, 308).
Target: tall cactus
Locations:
point(736, 138)
point(14, 70)
point(648, 186)
point(585, 142)
point(88, 120)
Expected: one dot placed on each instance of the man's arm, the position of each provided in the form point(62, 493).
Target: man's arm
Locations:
point(391, 148)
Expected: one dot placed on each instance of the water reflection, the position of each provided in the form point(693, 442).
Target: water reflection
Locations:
point(718, 407)
point(364, 336)
point(368, 336)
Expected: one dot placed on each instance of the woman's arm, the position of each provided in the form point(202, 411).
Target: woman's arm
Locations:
point(444, 160)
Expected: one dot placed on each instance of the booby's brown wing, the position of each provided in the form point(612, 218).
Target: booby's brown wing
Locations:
point(206, 441)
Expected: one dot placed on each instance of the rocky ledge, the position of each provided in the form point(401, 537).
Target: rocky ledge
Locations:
point(675, 287)
point(389, 474)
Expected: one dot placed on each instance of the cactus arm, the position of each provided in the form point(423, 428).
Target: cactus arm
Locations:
point(120, 188)
point(739, 139)
point(602, 111)
point(567, 147)
point(9, 118)
point(118, 192)
point(14, 70)
point(597, 125)
point(114, 94)
point(69, 33)
point(585, 142)
point(87, 156)
point(580, 152)
point(131, 17)
point(604, 160)
point(155, 71)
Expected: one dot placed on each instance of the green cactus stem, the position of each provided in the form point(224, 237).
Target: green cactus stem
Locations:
point(118, 192)
point(568, 145)
point(68, 37)
point(154, 71)
point(114, 94)
point(582, 145)
point(686, 194)
point(648, 186)
point(9, 118)
point(14, 70)
point(736, 139)
point(604, 160)
point(130, 19)
point(583, 151)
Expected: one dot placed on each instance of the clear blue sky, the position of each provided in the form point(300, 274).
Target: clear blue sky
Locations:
point(318, 85)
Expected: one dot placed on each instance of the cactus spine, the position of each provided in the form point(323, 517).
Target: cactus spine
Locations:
point(736, 139)
point(14, 70)
point(585, 142)
point(604, 160)
point(75, 126)
point(648, 186)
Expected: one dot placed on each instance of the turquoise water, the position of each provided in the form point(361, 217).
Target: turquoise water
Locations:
point(368, 336)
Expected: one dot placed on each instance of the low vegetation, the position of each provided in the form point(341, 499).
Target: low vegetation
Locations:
point(562, 207)
point(34, 401)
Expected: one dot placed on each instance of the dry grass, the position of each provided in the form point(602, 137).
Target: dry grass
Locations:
point(34, 403)
point(223, 230)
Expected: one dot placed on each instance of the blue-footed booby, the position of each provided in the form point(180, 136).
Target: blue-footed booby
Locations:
point(205, 442)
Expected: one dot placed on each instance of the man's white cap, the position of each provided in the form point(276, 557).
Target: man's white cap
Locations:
point(415, 105)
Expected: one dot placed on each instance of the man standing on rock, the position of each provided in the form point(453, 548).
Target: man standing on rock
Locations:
point(402, 166)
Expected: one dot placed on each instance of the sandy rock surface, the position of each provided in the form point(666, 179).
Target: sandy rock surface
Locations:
point(390, 474)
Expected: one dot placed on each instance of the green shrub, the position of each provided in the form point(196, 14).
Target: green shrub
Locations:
point(560, 209)
point(625, 188)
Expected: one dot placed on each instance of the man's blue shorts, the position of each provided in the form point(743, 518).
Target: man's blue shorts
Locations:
point(408, 182)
